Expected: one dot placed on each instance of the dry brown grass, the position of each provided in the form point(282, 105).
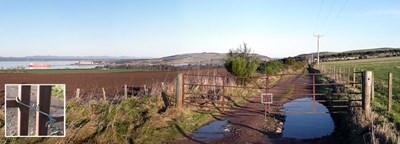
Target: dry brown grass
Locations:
point(2, 126)
point(374, 128)
point(380, 129)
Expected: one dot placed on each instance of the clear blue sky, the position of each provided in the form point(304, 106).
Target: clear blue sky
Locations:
point(150, 28)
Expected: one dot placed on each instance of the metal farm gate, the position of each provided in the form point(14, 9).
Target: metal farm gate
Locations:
point(221, 93)
point(302, 93)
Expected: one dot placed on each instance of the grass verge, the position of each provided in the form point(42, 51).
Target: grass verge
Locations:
point(131, 121)
point(356, 126)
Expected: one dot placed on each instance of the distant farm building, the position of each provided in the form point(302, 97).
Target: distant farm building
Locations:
point(86, 62)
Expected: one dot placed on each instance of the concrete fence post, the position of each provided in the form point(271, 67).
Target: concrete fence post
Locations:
point(162, 87)
point(366, 91)
point(145, 90)
point(104, 94)
point(78, 90)
point(126, 91)
point(373, 88)
point(179, 91)
point(390, 92)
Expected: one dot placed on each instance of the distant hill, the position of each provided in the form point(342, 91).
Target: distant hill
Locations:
point(180, 59)
point(355, 54)
point(185, 59)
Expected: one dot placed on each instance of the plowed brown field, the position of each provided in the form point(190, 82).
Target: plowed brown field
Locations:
point(91, 84)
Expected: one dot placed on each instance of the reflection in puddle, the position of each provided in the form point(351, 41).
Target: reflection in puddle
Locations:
point(306, 126)
point(213, 130)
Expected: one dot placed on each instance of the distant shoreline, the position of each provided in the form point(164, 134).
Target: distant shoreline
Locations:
point(54, 64)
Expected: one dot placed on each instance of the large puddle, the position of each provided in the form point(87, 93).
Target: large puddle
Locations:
point(306, 126)
point(213, 130)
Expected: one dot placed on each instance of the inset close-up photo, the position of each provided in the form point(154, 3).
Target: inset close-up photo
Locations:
point(34, 110)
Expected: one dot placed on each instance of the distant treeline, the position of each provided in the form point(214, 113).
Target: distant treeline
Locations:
point(361, 54)
point(161, 67)
point(268, 67)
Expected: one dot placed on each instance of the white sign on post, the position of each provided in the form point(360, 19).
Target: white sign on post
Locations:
point(265, 100)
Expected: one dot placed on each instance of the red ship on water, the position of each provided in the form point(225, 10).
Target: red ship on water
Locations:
point(39, 66)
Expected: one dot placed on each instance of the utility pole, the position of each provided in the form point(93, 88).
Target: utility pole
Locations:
point(318, 36)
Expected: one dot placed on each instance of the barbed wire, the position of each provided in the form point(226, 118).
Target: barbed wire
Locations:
point(51, 120)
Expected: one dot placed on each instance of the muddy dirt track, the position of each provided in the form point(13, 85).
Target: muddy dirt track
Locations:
point(251, 126)
point(91, 84)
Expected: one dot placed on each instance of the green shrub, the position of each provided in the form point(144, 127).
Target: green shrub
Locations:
point(276, 66)
point(272, 67)
point(241, 63)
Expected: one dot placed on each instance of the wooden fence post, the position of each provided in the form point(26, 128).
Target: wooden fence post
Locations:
point(337, 75)
point(78, 90)
point(390, 84)
point(340, 75)
point(24, 94)
point(223, 93)
point(179, 91)
point(43, 102)
point(354, 76)
point(334, 73)
point(348, 75)
point(126, 91)
point(366, 91)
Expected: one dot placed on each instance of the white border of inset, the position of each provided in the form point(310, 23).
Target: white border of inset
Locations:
point(5, 106)
point(267, 102)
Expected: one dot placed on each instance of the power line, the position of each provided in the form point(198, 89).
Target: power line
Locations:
point(319, 15)
point(326, 22)
point(335, 18)
point(329, 15)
